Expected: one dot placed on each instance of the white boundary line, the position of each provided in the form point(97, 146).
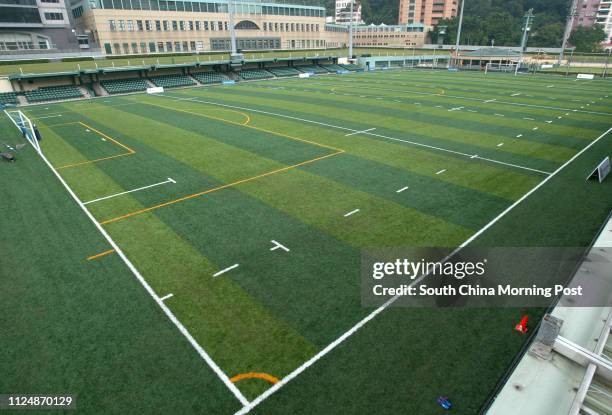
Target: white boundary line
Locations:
point(223, 271)
point(493, 101)
point(352, 212)
point(148, 288)
point(130, 191)
point(364, 321)
point(358, 132)
point(470, 156)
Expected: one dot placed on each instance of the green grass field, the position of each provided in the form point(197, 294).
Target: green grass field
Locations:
point(198, 185)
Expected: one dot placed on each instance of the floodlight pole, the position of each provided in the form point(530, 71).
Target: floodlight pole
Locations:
point(230, 11)
point(568, 29)
point(351, 33)
point(459, 32)
point(526, 28)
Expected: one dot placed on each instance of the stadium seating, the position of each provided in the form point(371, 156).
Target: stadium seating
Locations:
point(249, 74)
point(333, 67)
point(8, 98)
point(53, 93)
point(122, 86)
point(210, 77)
point(172, 81)
point(351, 67)
point(284, 71)
point(311, 68)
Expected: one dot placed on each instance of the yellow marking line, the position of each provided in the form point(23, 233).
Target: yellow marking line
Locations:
point(101, 254)
point(254, 375)
point(225, 186)
point(100, 133)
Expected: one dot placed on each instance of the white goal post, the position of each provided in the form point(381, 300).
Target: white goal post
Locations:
point(25, 126)
point(500, 67)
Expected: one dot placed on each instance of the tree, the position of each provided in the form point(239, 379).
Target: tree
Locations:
point(588, 39)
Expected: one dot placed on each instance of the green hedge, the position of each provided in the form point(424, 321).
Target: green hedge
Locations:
point(24, 62)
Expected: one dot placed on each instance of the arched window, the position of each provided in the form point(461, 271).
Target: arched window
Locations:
point(246, 25)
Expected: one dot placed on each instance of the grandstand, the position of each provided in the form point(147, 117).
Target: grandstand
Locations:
point(122, 86)
point(284, 71)
point(251, 74)
point(172, 81)
point(333, 67)
point(311, 68)
point(8, 98)
point(210, 77)
point(53, 93)
point(351, 67)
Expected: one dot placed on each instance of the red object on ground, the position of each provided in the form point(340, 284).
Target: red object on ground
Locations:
point(522, 325)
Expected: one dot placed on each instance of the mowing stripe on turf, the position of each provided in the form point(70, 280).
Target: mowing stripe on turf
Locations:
point(247, 408)
point(366, 133)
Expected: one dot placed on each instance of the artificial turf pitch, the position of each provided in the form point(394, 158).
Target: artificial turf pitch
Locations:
point(285, 161)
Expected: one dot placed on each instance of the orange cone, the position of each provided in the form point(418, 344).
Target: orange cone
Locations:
point(521, 327)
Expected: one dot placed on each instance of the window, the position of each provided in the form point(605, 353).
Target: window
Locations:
point(177, 46)
point(174, 25)
point(121, 26)
point(192, 45)
point(143, 47)
point(168, 46)
point(160, 46)
point(205, 25)
point(182, 25)
point(135, 47)
point(166, 25)
point(54, 16)
point(112, 25)
point(107, 49)
point(158, 25)
point(148, 25)
point(130, 25)
point(190, 25)
point(185, 46)
point(139, 25)
point(152, 47)
point(197, 25)
point(77, 11)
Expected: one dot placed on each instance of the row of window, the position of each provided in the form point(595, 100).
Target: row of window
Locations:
point(164, 25)
point(290, 27)
point(199, 7)
point(54, 16)
point(223, 44)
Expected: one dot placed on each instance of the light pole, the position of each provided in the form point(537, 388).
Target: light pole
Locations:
point(351, 33)
point(459, 32)
point(526, 29)
point(568, 29)
point(230, 12)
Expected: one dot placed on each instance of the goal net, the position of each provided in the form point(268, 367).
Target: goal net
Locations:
point(500, 67)
point(25, 126)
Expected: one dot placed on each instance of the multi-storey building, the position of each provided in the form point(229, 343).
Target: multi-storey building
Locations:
point(427, 12)
point(604, 18)
point(34, 25)
point(161, 26)
point(399, 36)
point(343, 12)
point(585, 13)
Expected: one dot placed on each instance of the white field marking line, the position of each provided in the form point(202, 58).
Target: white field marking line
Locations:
point(352, 212)
point(548, 122)
point(519, 104)
point(441, 171)
point(278, 245)
point(515, 94)
point(165, 297)
point(534, 128)
point(500, 144)
point(367, 133)
point(456, 109)
point(169, 180)
point(47, 116)
point(401, 190)
point(359, 132)
point(247, 408)
point(519, 136)
point(474, 156)
point(211, 363)
point(499, 115)
point(223, 271)
point(529, 119)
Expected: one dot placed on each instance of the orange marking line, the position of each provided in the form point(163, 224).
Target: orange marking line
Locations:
point(225, 186)
point(100, 133)
point(254, 375)
point(101, 254)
